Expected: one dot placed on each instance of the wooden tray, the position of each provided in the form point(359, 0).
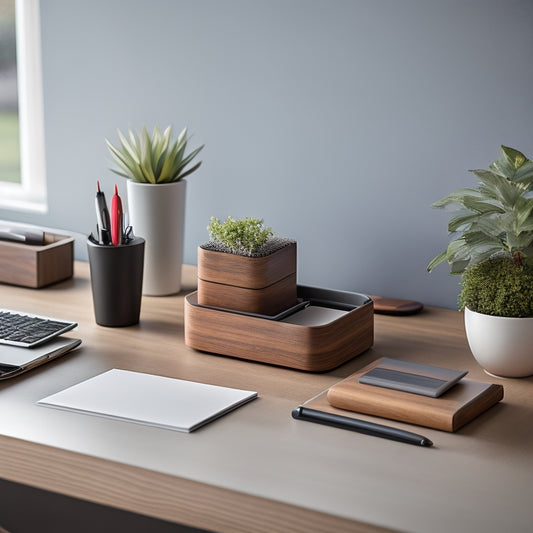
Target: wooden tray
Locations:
point(295, 341)
point(36, 266)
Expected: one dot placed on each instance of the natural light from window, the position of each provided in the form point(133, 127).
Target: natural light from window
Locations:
point(22, 161)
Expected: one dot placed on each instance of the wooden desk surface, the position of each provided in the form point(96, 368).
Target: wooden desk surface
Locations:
point(257, 469)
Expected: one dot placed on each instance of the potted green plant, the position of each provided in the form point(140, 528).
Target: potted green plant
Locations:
point(156, 167)
point(492, 248)
point(245, 267)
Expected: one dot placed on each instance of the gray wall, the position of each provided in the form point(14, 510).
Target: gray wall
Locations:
point(337, 121)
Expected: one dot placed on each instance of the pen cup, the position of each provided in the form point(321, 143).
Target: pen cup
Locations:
point(116, 281)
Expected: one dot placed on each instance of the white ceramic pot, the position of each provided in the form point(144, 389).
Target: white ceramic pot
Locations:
point(502, 346)
point(157, 213)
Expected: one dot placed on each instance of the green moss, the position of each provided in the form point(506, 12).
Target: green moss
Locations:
point(242, 237)
point(498, 287)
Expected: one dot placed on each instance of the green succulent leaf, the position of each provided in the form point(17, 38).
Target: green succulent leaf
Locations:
point(191, 170)
point(153, 158)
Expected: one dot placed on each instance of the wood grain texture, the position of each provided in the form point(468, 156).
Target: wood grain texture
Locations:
point(37, 266)
point(168, 498)
point(462, 403)
point(248, 272)
point(258, 457)
point(310, 348)
point(395, 306)
point(269, 300)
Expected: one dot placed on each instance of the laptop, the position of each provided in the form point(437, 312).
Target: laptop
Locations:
point(15, 360)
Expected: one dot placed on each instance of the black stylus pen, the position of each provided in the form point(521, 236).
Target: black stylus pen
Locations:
point(361, 426)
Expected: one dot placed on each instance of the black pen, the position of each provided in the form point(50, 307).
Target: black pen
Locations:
point(361, 426)
point(102, 214)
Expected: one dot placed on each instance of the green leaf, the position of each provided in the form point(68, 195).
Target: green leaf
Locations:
point(516, 158)
point(160, 153)
point(523, 209)
point(480, 239)
point(457, 250)
point(188, 159)
point(436, 261)
point(121, 173)
point(126, 165)
point(167, 173)
point(190, 171)
point(491, 226)
point(146, 156)
point(461, 220)
point(526, 225)
point(473, 204)
point(135, 143)
point(506, 190)
point(458, 267)
point(182, 137)
point(127, 149)
point(524, 175)
point(519, 242)
point(456, 197)
point(152, 159)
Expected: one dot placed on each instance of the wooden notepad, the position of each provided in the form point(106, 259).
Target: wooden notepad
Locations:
point(462, 403)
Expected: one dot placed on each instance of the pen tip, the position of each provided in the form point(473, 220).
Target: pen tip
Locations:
point(98, 185)
point(116, 190)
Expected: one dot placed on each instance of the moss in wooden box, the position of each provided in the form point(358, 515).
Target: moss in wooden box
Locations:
point(245, 267)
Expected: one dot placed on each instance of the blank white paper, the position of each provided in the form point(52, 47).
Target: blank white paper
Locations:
point(148, 399)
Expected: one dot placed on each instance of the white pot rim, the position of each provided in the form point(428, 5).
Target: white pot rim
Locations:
point(167, 184)
point(496, 317)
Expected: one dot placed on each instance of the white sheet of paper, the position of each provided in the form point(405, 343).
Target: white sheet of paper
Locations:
point(148, 399)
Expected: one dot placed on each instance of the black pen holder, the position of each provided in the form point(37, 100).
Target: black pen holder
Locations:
point(116, 281)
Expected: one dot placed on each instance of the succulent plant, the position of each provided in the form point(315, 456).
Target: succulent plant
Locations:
point(493, 218)
point(154, 159)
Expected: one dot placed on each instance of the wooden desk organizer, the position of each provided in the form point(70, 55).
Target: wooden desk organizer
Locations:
point(313, 348)
point(262, 285)
point(36, 266)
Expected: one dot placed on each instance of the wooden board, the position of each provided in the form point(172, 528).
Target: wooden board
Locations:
point(462, 403)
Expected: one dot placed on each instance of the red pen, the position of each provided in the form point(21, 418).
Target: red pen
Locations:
point(116, 219)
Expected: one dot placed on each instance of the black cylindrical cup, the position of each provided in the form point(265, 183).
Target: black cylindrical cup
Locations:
point(116, 280)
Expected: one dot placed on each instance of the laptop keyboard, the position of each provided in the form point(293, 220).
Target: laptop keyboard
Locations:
point(26, 330)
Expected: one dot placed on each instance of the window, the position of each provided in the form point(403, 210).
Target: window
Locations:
point(9, 122)
point(22, 162)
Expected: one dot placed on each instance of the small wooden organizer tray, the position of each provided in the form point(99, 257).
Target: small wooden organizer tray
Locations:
point(325, 329)
point(35, 266)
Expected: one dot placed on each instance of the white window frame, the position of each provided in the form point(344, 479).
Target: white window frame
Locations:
point(30, 193)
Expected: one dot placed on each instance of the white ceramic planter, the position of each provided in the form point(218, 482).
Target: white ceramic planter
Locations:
point(502, 346)
point(157, 213)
